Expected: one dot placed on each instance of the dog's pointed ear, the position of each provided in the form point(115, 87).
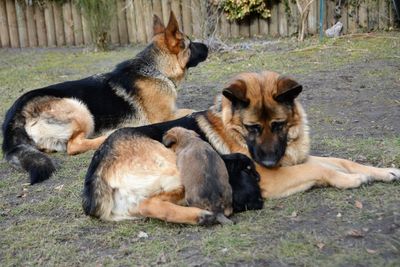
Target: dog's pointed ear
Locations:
point(172, 34)
point(169, 139)
point(158, 26)
point(287, 90)
point(236, 93)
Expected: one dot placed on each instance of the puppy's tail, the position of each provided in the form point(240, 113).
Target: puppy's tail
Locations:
point(20, 150)
point(222, 219)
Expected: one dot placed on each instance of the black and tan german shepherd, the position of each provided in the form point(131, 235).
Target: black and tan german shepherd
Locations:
point(63, 116)
point(133, 175)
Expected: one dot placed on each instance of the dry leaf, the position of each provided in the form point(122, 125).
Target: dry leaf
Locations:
point(59, 188)
point(294, 214)
point(358, 204)
point(339, 215)
point(320, 245)
point(355, 233)
point(371, 251)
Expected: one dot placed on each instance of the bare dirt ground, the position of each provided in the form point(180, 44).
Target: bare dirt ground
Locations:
point(352, 97)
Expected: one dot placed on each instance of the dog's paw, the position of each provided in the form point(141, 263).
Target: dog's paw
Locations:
point(390, 174)
point(207, 218)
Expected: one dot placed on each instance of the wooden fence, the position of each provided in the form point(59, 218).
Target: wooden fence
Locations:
point(59, 25)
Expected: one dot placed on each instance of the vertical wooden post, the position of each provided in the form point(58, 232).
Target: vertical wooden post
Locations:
point(343, 18)
point(68, 24)
point(196, 17)
point(5, 37)
point(114, 36)
point(131, 23)
point(274, 21)
point(187, 17)
point(313, 18)
point(77, 22)
point(166, 10)
point(148, 20)
point(244, 27)
point(157, 8)
point(373, 14)
point(30, 21)
point(225, 31)
point(50, 28)
point(87, 35)
point(122, 28)
point(59, 24)
point(141, 32)
point(264, 27)
point(176, 8)
point(392, 15)
point(235, 28)
point(383, 15)
point(293, 19)
point(254, 31)
point(21, 20)
point(40, 27)
point(363, 16)
point(330, 9)
point(12, 23)
point(352, 18)
point(283, 26)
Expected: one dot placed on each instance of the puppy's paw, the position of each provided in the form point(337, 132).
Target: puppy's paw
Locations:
point(207, 218)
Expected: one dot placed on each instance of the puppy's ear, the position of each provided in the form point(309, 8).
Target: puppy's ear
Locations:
point(158, 26)
point(236, 93)
point(169, 139)
point(288, 90)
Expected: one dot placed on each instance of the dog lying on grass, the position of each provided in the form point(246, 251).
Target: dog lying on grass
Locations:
point(76, 116)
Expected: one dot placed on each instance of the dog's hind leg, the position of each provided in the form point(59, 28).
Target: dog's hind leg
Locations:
point(163, 207)
point(377, 174)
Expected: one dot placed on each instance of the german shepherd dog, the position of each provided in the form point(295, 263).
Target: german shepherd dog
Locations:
point(63, 116)
point(133, 175)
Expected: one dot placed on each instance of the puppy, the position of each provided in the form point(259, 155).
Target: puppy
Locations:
point(244, 179)
point(203, 173)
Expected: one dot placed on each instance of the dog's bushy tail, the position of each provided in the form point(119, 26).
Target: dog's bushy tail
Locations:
point(20, 150)
point(97, 197)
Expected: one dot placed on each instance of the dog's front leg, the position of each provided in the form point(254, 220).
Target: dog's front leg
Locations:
point(163, 207)
point(285, 181)
point(348, 166)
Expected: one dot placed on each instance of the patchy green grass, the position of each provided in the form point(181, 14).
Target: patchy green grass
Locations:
point(354, 117)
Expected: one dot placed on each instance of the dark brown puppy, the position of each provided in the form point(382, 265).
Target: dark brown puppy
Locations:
point(202, 171)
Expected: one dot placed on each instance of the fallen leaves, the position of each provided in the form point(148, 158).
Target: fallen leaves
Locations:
point(355, 233)
point(358, 204)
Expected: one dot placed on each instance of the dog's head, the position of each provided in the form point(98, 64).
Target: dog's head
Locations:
point(178, 136)
point(172, 41)
point(244, 179)
point(262, 108)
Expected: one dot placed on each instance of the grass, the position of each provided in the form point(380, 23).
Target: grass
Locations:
point(45, 225)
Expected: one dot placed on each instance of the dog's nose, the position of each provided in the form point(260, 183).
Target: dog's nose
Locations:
point(268, 163)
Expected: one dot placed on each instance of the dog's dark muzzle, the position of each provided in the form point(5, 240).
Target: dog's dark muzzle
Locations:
point(198, 53)
point(267, 157)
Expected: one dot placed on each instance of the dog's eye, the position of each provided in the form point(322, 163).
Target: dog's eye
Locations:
point(248, 167)
point(254, 128)
point(277, 126)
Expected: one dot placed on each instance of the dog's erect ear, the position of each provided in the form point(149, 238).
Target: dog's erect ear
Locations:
point(236, 93)
point(288, 90)
point(172, 34)
point(169, 139)
point(158, 26)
